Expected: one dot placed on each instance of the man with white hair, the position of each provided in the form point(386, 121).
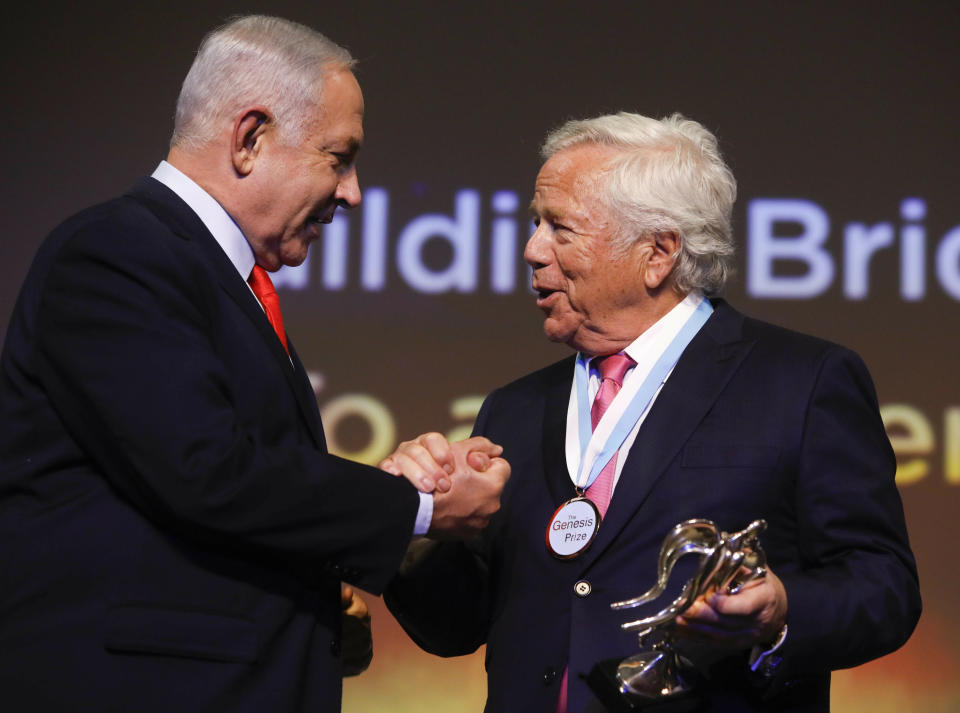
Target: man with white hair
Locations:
point(173, 531)
point(675, 407)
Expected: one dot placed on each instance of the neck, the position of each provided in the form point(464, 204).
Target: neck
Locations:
point(200, 166)
point(632, 326)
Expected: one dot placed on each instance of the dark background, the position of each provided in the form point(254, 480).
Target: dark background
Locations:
point(851, 106)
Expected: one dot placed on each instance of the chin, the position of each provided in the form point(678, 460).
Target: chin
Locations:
point(557, 333)
point(294, 261)
point(294, 258)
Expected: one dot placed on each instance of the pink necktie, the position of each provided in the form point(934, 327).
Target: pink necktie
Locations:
point(263, 288)
point(612, 370)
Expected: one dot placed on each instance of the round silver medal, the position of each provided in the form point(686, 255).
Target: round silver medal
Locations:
point(572, 528)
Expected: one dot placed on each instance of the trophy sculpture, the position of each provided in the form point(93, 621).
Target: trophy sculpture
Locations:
point(661, 680)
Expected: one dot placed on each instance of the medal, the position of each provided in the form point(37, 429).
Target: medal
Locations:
point(572, 528)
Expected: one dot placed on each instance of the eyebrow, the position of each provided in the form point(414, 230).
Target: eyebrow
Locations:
point(349, 147)
point(547, 213)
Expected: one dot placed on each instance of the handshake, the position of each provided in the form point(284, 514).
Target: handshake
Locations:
point(466, 479)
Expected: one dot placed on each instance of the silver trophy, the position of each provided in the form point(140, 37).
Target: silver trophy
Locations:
point(660, 678)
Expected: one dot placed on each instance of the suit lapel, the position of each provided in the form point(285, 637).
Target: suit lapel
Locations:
point(701, 374)
point(306, 398)
point(554, 432)
point(181, 219)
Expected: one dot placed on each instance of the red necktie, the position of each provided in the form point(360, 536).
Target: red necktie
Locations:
point(263, 288)
point(612, 370)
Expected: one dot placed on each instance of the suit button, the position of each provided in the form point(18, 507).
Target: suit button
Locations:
point(582, 588)
point(335, 647)
point(549, 676)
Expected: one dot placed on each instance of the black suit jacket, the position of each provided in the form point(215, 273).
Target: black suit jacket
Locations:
point(172, 528)
point(754, 422)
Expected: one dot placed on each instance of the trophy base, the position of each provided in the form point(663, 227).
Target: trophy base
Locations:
point(604, 682)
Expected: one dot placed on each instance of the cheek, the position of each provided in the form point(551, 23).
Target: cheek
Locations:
point(322, 183)
point(579, 282)
point(582, 296)
point(568, 314)
point(575, 260)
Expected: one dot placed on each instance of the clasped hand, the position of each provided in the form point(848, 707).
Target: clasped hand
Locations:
point(466, 479)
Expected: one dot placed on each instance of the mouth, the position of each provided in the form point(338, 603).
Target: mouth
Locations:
point(315, 222)
point(320, 219)
point(544, 295)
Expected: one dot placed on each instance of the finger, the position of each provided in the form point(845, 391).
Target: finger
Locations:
point(424, 478)
point(500, 468)
point(388, 465)
point(418, 459)
point(717, 624)
point(346, 595)
point(702, 616)
point(744, 584)
point(478, 460)
point(438, 447)
point(484, 445)
point(357, 608)
point(747, 602)
point(436, 458)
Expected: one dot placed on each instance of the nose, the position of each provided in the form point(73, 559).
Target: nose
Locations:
point(537, 252)
point(348, 190)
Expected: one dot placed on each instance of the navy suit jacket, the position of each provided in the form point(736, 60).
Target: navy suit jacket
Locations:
point(754, 422)
point(172, 529)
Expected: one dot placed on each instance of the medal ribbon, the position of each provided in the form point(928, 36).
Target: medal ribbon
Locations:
point(598, 446)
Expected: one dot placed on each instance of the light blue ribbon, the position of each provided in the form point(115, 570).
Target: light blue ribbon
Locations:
point(640, 401)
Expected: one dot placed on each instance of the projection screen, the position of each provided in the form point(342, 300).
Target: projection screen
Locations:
point(838, 119)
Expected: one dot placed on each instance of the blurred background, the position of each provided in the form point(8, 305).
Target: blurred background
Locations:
point(839, 120)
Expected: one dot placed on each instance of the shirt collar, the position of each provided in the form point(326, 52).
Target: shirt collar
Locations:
point(224, 230)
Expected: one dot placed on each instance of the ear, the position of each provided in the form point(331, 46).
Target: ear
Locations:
point(246, 141)
point(663, 248)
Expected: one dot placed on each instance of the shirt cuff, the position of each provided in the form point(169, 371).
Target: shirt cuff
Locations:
point(424, 514)
point(763, 661)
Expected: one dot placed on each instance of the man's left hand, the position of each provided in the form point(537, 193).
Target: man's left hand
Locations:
point(357, 641)
point(753, 616)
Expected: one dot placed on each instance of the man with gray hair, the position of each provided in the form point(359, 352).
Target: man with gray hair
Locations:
point(173, 531)
point(675, 407)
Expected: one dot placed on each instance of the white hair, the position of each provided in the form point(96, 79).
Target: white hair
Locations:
point(255, 60)
point(668, 176)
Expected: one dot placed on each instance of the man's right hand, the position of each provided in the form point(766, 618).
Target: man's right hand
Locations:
point(469, 477)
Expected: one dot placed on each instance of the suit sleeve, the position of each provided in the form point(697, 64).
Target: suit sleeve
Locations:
point(442, 595)
point(855, 596)
point(125, 331)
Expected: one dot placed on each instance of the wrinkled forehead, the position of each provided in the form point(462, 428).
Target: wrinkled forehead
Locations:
point(575, 172)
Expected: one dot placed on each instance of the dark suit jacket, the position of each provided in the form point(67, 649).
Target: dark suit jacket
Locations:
point(754, 422)
point(172, 528)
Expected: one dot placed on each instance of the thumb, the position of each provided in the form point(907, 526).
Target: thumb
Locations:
point(478, 460)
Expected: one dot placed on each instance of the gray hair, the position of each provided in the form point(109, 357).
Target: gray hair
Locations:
point(668, 177)
point(255, 60)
